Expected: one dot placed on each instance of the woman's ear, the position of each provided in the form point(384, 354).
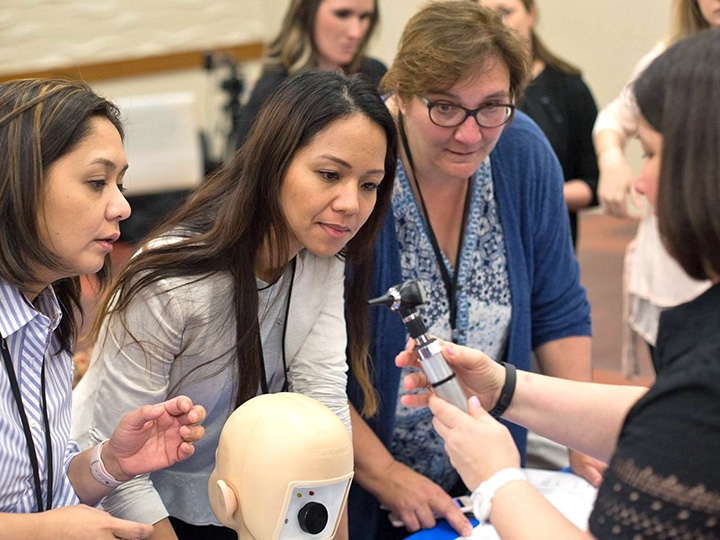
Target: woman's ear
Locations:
point(533, 16)
point(401, 103)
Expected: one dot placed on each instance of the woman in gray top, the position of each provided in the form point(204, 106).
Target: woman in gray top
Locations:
point(241, 291)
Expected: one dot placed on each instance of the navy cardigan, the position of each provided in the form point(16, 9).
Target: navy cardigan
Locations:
point(548, 302)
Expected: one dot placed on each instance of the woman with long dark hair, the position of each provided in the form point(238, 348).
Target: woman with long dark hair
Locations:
point(242, 291)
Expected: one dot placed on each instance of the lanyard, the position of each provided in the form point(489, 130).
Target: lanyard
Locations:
point(26, 429)
point(264, 380)
point(451, 283)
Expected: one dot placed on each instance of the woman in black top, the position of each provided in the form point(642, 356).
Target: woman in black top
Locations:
point(561, 104)
point(662, 443)
point(316, 34)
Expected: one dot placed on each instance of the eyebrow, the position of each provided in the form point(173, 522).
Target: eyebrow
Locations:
point(108, 163)
point(346, 165)
point(495, 95)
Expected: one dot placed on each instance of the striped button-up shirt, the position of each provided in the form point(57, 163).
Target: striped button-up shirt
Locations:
point(29, 333)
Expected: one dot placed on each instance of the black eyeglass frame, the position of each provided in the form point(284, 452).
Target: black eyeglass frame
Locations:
point(468, 112)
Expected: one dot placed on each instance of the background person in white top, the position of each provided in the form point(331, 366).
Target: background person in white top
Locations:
point(653, 280)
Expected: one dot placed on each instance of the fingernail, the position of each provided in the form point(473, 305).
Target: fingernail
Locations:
point(475, 401)
point(450, 349)
point(467, 531)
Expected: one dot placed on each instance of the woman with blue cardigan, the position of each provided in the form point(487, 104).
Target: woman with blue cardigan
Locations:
point(478, 216)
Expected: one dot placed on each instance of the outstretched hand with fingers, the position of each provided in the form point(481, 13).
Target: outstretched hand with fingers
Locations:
point(154, 437)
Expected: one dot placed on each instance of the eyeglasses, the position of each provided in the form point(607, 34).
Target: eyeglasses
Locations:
point(447, 114)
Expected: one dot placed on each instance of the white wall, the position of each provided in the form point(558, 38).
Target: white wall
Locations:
point(604, 38)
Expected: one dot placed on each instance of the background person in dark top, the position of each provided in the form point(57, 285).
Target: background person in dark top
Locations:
point(561, 104)
point(316, 34)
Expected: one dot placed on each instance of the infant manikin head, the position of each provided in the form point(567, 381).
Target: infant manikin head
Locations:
point(283, 468)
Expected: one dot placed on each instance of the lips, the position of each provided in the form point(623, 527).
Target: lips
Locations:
point(336, 231)
point(110, 239)
point(107, 242)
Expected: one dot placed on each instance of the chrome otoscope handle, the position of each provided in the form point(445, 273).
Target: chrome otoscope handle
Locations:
point(441, 377)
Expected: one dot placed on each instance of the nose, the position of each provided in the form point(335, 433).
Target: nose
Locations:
point(357, 28)
point(640, 184)
point(469, 132)
point(347, 199)
point(119, 208)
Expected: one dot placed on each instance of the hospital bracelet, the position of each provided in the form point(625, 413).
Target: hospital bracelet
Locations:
point(507, 392)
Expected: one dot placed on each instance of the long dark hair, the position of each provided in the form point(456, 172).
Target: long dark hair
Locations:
point(679, 96)
point(227, 220)
point(41, 120)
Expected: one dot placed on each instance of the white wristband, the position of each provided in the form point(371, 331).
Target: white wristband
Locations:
point(99, 472)
point(482, 497)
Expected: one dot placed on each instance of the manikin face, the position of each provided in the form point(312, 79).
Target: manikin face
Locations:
point(340, 27)
point(455, 153)
point(82, 203)
point(514, 15)
point(710, 10)
point(647, 180)
point(330, 188)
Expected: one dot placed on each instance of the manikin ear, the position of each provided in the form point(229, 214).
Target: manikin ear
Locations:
point(228, 501)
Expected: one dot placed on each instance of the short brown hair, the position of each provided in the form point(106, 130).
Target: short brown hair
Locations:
point(447, 41)
point(679, 96)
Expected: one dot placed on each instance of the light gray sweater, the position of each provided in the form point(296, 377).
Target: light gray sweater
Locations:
point(180, 324)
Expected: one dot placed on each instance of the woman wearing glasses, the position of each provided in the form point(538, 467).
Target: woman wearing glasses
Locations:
point(478, 216)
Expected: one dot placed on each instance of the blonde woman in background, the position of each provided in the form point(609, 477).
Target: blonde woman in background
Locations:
point(653, 280)
point(316, 34)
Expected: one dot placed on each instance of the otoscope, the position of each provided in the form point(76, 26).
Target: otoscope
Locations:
point(404, 298)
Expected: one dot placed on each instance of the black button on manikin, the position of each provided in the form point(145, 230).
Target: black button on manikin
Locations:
point(313, 518)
